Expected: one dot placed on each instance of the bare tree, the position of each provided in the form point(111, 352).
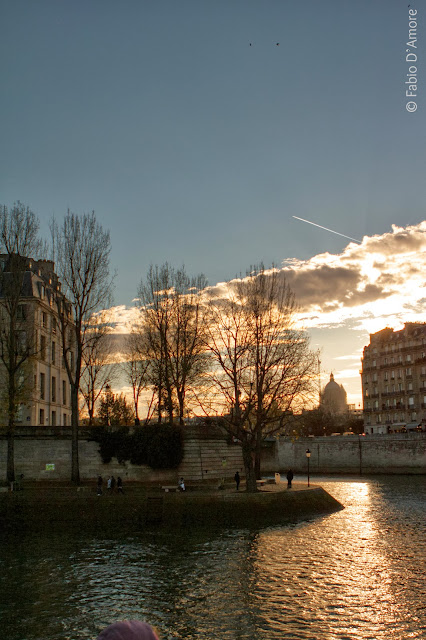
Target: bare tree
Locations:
point(173, 334)
point(82, 250)
point(265, 369)
point(18, 243)
point(136, 367)
point(97, 369)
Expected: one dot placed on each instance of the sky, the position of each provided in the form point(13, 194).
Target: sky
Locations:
point(196, 130)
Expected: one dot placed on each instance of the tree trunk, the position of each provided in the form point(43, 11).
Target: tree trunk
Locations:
point(75, 468)
point(10, 454)
point(11, 431)
point(251, 486)
point(181, 400)
point(257, 458)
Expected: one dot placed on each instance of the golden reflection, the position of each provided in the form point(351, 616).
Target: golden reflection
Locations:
point(343, 552)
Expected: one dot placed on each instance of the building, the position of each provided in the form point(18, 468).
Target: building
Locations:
point(46, 399)
point(394, 380)
point(333, 398)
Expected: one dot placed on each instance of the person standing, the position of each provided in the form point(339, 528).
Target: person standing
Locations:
point(112, 484)
point(181, 485)
point(289, 478)
point(237, 479)
point(109, 481)
point(119, 485)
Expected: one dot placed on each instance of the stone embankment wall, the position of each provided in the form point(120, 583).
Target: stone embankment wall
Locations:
point(393, 453)
point(209, 455)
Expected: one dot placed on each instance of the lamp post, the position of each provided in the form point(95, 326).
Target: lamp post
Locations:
point(308, 455)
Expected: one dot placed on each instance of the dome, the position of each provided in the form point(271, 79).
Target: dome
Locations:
point(333, 397)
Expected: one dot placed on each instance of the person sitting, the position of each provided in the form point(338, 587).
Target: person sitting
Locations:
point(128, 630)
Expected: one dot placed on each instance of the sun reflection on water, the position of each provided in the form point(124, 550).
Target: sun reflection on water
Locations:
point(356, 574)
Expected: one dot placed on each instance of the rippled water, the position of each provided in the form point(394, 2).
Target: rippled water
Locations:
point(359, 573)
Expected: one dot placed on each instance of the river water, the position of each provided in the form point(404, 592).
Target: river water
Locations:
point(358, 573)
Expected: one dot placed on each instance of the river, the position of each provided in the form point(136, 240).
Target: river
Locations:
point(356, 574)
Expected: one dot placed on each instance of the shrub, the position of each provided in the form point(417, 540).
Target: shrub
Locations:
point(158, 446)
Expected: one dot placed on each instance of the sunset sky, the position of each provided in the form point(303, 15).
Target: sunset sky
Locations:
point(197, 130)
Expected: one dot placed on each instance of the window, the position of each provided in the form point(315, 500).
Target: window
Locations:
point(43, 347)
point(41, 416)
point(53, 352)
point(64, 393)
point(42, 385)
point(53, 325)
point(408, 371)
point(410, 386)
point(53, 389)
point(22, 312)
point(411, 402)
point(408, 358)
point(44, 319)
point(21, 342)
point(392, 375)
point(53, 418)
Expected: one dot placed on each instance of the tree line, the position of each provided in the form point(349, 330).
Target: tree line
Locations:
point(238, 354)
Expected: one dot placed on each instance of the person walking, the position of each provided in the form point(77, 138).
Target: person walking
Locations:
point(237, 480)
point(181, 485)
point(289, 478)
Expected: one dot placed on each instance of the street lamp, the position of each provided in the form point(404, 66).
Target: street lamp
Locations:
point(308, 455)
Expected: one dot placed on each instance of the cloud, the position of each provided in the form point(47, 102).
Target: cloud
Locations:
point(382, 277)
point(380, 282)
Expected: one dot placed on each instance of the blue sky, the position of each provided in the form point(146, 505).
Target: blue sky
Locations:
point(193, 146)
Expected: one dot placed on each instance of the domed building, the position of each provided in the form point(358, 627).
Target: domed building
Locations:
point(333, 398)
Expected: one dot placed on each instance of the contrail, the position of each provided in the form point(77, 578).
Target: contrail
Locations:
point(326, 229)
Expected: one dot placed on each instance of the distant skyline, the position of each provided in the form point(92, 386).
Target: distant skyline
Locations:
point(197, 140)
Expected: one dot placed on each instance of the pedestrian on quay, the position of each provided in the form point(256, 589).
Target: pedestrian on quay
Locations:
point(128, 630)
point(289, 478)
point(109, 481)
point(119, 485)
point(181, 485)
point(237, 480)
point(99, 486)
point(112, 484)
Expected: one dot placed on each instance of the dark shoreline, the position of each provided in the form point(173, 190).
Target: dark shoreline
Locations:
point(142, 507)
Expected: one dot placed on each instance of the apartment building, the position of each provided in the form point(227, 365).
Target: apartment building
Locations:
point(394, 380)
point(46, 400)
